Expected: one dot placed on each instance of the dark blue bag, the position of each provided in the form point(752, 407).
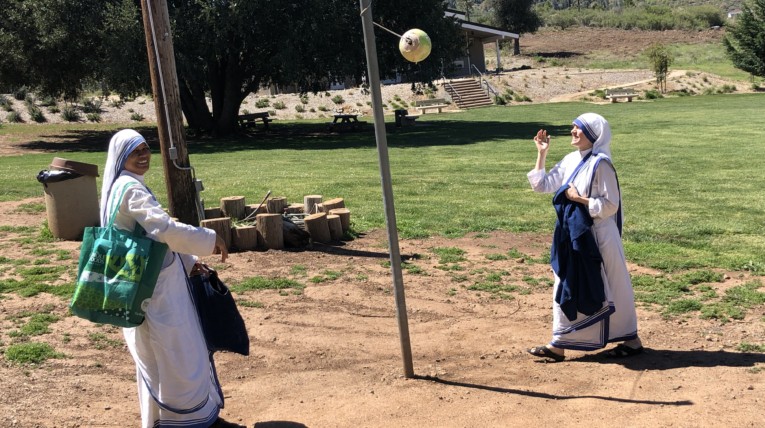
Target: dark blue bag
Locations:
point(222, 324)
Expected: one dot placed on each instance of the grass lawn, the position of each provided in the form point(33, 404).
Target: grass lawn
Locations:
point(688, 167)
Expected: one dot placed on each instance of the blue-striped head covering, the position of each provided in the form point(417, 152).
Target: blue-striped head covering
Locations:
point(120, 146)
point(596, 128)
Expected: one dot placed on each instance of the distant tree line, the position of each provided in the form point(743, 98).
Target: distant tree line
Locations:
point(224, 50)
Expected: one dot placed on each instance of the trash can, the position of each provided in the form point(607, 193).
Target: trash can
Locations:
point(71, 197)
point(400, 114)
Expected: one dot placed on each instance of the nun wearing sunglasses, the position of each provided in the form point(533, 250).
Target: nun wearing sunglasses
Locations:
point(593, 300)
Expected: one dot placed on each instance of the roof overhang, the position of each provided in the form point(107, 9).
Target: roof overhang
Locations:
point(485, 33)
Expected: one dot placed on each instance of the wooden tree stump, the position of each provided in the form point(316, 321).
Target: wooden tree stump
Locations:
point(333, 203)
point(221, 226)
point(345, 217)
point(335, 227)
point(250, 211)
point(276, 205)
point(213, 212)
point(270, 228)
point(318, 208)
point(232, 206)
point(318, 227)
point(294, 209)
point(244, 238)
point(309, 203)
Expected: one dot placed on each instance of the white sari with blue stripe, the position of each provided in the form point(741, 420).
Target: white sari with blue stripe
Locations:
point(616, 320)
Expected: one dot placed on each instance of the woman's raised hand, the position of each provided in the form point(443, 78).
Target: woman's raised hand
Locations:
point(542, 140)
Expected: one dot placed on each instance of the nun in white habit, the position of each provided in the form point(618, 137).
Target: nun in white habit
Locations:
point(590, 179)
point(177, 385)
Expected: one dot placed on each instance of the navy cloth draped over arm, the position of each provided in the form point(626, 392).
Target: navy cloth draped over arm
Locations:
point(576, 259)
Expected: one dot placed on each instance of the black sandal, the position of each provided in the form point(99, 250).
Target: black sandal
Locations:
point(544, 351)
point(623, 351)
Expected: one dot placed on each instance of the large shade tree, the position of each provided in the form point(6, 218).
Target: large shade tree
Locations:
point(745, 40)
point(516, 16)
point(50, 45)
point(226, 50)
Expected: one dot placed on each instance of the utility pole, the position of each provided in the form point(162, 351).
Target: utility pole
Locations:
point(181, 191)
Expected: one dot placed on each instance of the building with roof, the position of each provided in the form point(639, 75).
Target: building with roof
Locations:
point(477, 36)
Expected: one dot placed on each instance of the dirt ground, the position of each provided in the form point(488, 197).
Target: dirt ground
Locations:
point(330, 355)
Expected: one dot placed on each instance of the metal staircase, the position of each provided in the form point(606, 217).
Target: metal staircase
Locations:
point(468, 93)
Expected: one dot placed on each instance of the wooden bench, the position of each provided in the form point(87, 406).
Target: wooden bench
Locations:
point(615, 94)
point(249, 120)
point(435, 103)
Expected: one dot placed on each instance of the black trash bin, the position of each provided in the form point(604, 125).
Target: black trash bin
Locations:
point(71, 197)
point(400, 117)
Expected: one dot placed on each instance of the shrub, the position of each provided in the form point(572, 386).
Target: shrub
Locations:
point(500, 100)
point(323, 108)
point(13, 117)
point(262, 103)
point(652, 94)
point(5, 103)
point(118, 103)
point(338, 99)
point(20, 93)
point(304, 99)
point(35, 113)
point(53, 109)
point(70, 114)
point(93, 117)
point(279, 105)
point(299, 108)
point(138, 117)
point(47, 101)
point(91, 105)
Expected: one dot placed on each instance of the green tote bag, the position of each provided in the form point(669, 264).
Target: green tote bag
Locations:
point(116, 274)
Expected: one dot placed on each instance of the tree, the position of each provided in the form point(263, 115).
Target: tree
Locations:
point(227, 50)
point(660, 59)
point(51, 45)
point(224, 50)
point(516, 16)
point(744, 41)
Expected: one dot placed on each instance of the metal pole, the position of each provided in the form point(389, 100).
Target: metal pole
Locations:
point(390, 212)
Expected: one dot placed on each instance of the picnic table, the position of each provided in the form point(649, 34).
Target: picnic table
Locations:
point(345, 121)
point(249, 120)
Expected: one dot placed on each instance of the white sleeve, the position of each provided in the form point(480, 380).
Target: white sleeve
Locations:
point(141, 206)
point(546, 183)
point(604, 200)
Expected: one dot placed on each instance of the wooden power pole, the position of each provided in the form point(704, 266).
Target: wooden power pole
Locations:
point(181, 191)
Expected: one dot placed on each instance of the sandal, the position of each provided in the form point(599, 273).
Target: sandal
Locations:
point(544, 351)
point(622, 351)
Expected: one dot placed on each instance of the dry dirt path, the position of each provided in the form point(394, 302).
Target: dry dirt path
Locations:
point(329, 356)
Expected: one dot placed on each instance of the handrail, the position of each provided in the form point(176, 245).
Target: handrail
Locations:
point(453, 92)
point(483, 81)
